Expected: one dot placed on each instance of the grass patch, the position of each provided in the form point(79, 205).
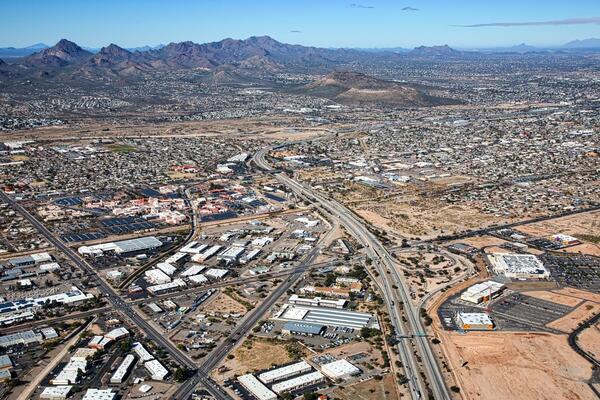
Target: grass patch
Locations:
point(121, 148)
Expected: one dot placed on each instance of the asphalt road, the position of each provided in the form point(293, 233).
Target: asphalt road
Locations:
point(240, 331)
point(390, 278)
point(117, 302)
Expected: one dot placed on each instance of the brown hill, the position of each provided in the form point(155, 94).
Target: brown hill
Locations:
point(360, 89)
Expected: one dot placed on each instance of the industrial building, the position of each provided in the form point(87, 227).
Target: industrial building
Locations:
point(473, 321)
point(326, 316)
point(284, 372)
point(56, 392)
point(167, 268)
point(195, 269)
point(231, 254)
point(518, 266)
point(316, 302)
point(193, 248)
point(156, 370)
point(99, 394)
point(123, 369)
point(156, 289)
point(141, 352)
point(481, 292)
point(206, 254)
point(301, 328)
point(27, 261)
point(21, 338)
point(256, 387)
point(122, 247)
point(157, 277)
point(298, 382)
point(340, 369)
point(216, 273)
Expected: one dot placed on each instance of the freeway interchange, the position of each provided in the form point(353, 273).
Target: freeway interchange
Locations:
point(393, 288)
point(390, 278)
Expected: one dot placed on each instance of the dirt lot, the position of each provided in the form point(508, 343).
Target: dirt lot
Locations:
point(482, 241)
point(223, 304)
point(555, 297)
point(579, 294)
point(252, 355)
point(410, 216)
point(585, 223)
point(507, 365)
point(569, 322)
point(369, 390)
point(589, 340)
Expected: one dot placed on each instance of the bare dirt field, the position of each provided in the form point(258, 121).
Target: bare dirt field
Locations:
point(482, 241)
point(413, 217)
point(223, 304)
point(589, 340)
point(585, 248)
point(247, 127)
point(369, 390)
point(508, 365)
point(555, 297)
point(253, 355)
point(580, 294)
point(569, 322)
point(578, 224)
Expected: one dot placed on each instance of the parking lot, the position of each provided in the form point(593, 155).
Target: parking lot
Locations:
point(579, 271)
point(528, 310)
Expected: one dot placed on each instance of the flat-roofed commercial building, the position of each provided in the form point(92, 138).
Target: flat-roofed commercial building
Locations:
point(302, 328)
point(316, 302)
point(123, 369)
point(474, 321)
point(122, 247)
point(177, 283)
point(326, 316)
point(284, 372)
point(56, 392)
point(518, 266)
point(481, 292)
point(99, 394)
point(298, 382)
point(340, 369)
point(256, 387)
point(156, 370)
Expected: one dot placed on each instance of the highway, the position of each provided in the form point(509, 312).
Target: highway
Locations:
point(218, 354)
point(116, 301)
point(390, 278)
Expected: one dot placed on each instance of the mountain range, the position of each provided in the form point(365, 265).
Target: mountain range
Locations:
point(257, 52)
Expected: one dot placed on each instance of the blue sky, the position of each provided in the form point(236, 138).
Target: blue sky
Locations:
point(325, 23)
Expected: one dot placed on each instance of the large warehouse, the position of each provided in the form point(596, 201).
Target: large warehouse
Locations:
point(326, 316)
point(298, 382)
point(481, 292)
point(518, 266)
point(284, 372)
point(122, 247)
point(256, 387)
point(301, 328)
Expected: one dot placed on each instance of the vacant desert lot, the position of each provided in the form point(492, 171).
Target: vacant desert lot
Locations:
point(369, 390)
point(508, 365)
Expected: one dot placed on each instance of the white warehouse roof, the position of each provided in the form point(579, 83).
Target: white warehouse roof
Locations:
point(299, 381)
point(256, 388)
point(339, 369)
point(284, 372)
